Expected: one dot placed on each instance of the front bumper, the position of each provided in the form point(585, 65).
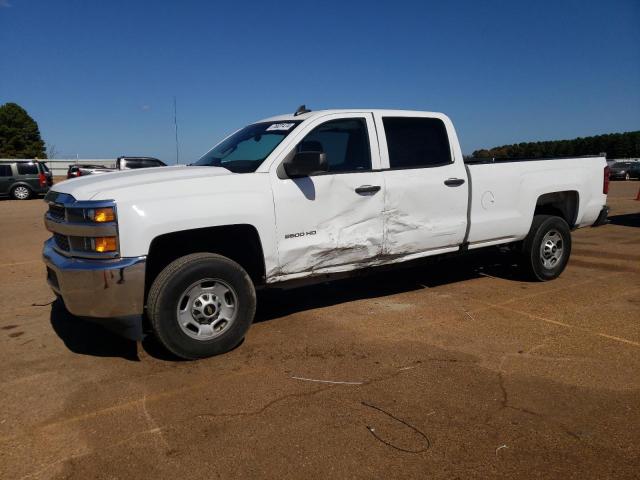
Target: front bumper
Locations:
point(96, 288)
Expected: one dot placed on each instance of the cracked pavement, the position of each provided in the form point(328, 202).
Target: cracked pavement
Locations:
point(453, 370)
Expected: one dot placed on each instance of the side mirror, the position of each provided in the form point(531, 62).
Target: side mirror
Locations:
point(303, 164)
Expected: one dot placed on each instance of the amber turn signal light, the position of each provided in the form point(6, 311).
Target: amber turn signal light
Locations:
point(105, 244)
point(101, 215)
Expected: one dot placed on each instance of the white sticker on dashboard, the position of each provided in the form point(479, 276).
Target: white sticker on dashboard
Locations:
point(280, 126)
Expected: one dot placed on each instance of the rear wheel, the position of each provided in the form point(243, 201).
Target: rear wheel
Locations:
point(21, 192)
point(201, 305)
point(546, 248)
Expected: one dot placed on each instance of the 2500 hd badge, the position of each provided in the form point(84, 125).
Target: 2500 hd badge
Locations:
point(299, 234)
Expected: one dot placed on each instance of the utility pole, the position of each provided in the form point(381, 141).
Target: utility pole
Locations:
point(175, 123)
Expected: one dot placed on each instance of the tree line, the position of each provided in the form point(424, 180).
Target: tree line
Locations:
point(615, 145)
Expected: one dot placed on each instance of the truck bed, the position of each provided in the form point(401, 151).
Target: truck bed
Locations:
point(504, 194)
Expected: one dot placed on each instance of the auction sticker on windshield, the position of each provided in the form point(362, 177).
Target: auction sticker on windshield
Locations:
point(280, 126)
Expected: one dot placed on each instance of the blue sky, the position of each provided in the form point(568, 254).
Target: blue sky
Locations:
point(100, 76)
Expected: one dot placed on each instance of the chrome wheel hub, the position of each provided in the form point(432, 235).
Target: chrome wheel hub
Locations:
point(207, 309)
point(21, 193)
point(551, 249)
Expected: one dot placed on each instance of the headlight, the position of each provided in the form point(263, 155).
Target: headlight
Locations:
point(83, 229)
point(101, 215)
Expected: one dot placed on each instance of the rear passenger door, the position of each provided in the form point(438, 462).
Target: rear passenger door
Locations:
point(28, 172)
point(426, 191)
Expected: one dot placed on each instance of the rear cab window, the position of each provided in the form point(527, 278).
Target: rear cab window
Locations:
point(5, 170)
point(416, 142)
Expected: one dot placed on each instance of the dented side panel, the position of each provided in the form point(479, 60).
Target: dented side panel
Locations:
point(321, 221)
point(421, 212)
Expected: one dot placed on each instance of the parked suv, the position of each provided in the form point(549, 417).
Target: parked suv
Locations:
point(22, 179)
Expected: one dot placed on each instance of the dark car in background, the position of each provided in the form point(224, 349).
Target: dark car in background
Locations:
point(82, 169)
point(624, 170)
point(122, 163)
point(24, 179)
point(129, 163)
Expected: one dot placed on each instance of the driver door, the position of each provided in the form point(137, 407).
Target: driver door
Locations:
point(332, 221)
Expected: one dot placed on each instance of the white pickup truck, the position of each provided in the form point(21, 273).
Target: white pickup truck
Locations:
point(300, 197)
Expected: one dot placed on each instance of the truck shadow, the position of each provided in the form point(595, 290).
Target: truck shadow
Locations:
point(120, 337)
point(111, 338)
point(628, 220)
point(376, 283)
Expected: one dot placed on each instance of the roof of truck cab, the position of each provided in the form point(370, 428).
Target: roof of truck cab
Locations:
point(305, 116)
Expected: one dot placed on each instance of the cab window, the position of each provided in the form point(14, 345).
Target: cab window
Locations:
point(416, 142)
point(345, 143)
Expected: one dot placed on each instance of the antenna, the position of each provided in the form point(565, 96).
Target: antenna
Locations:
point(301, 109)
point(175, 123)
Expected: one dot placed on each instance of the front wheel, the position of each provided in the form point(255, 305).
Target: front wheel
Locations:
point(546, 248)
point(201, 305)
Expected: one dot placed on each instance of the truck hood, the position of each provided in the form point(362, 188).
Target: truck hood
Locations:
point(89, 187)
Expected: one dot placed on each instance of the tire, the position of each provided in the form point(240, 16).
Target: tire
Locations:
point(21, 192)
point(547, 248)
point(201, 305)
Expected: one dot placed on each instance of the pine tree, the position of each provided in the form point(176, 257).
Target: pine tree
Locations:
point(19, 134)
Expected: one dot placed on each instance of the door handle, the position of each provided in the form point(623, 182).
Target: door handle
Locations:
point(454, 182)
point(364, 189)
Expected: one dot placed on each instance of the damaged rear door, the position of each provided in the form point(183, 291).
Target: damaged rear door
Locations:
point(426, 184)
point(332, 221)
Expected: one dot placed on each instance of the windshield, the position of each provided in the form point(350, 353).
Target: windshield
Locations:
point(621, 165)
point(245, 150)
